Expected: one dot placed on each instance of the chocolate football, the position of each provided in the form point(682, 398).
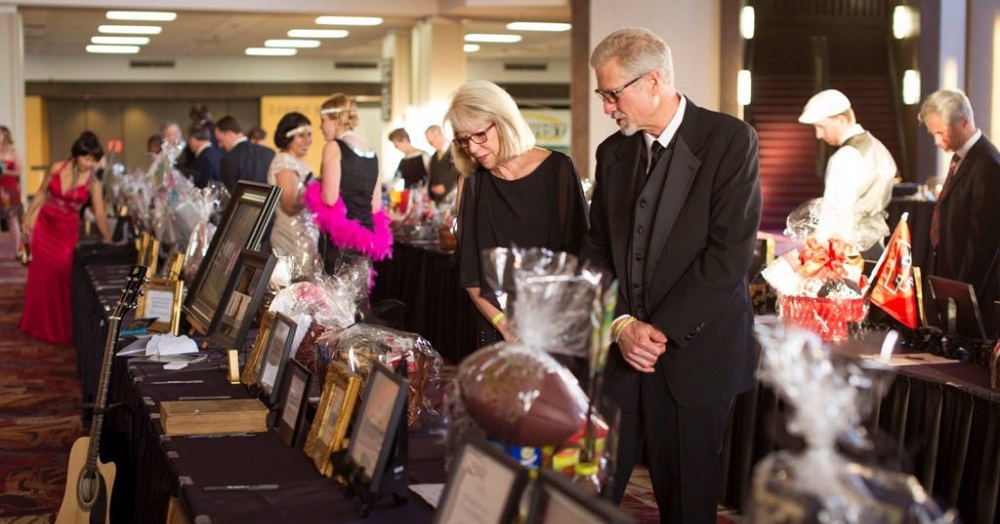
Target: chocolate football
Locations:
point(520, 396)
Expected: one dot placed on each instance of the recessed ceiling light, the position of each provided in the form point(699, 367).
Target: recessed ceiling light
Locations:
point(142, 16)
point(318, 33)
point(492, 38)
point(130, 29)
point(270, 51)
point(302, 44)
point(470, 48)
point(348, 20)
point(539, 26)
point(119, 40)
point(113, 49)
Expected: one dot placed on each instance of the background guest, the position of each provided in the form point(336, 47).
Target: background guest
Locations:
point(242, 160)
point(289, 171)
point(443, 175)
point(257, 135)
point(415, 163)
point(153, 146)
point(207, 163)
point(965, 226)
point(514, 194)
point(10, 187)
point(53, 223)
point(200, 115)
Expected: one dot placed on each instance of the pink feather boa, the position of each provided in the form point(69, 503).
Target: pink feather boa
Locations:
point(347, 233)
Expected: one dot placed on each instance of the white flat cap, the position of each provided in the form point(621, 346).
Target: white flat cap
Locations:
point(824, 104)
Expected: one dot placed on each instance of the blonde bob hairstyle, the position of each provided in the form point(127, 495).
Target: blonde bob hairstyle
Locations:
point(347, 116)
point(477, 104)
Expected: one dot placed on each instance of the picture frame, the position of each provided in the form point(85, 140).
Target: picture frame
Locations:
point(252, 365)
point(174, 267)
point(555, 499)
point(968, 321)
point(161, 298)
point(292, 400)
point(243, 224)
point(148, 252)
point(336, 410)
point(377, 423)
point(275, 356)
point(241, 300)
point(484, 485)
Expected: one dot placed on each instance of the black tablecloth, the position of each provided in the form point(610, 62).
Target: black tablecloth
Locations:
point(421, 276)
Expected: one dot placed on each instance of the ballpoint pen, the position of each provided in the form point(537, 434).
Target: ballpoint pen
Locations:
point(166, 382)
point(206, 397)
point(242, 487)
point(221, 435)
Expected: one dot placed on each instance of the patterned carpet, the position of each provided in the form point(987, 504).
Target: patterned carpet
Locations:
point(38, 418)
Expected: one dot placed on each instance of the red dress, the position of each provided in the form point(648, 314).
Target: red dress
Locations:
point(48, 314)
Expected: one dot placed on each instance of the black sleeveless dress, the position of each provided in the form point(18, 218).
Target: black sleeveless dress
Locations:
point(358, 176)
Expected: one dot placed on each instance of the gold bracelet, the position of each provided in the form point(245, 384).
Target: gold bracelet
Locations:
point(621, 327)
point(497, 318)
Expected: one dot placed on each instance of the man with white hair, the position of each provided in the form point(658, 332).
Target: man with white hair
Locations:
point(859, 175)
point(965, 226)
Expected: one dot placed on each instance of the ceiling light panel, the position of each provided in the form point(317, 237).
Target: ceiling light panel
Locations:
point(301, 44)
point(539, 26)
point(270, 51)
point(492, 38)
point(142, 16)
point(130, 29)
point(471, 48)
point(113, 49)
point(348, 20)
point(119, 40)
point(318, 33)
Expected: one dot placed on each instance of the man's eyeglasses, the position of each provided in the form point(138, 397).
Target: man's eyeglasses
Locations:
point(475, 138)
point(611, 97)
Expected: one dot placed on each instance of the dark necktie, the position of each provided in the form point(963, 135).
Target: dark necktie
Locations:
point(949, 181)
point(655, 152)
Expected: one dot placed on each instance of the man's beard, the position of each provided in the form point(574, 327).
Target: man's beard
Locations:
point(629, 128)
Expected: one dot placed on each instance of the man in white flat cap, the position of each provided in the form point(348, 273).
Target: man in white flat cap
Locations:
point(859, 175)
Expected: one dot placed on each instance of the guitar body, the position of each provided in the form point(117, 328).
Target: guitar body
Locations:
point(87, 499)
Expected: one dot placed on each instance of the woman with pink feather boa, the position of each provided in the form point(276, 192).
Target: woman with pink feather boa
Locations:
point(347, 200)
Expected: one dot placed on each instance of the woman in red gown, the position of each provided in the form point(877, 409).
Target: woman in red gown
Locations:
point(53, 224)
point(10, 191)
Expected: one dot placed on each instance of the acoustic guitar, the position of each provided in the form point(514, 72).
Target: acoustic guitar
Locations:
point(88, 481)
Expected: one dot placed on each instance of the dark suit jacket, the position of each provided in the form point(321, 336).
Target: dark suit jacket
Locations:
point(969, 218)
point(206, 166)
point(699, 251)
point(246, 161)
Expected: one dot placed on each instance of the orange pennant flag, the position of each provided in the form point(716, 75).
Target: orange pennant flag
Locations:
point(894, 290)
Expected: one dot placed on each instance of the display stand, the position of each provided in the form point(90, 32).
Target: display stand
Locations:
point(392, 482)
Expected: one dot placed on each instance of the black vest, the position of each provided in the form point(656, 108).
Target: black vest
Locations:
point(646, 203)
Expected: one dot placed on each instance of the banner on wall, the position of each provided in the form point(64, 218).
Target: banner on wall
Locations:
point(550, 126)
point(272, 108)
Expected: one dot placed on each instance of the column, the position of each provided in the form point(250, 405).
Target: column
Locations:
point(942, 60)
point(438, 60)
point(12, 78)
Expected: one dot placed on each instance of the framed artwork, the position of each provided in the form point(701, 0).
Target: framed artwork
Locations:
point(556, 500)
point(242, 226)
point(377, 422)
point(174, 267)
point(484, 485)
point(292, 402)
point(161, 300)
point(252, 364)
point(148, 252)
point(241, 300)
point(272, 363)
point(336, 409)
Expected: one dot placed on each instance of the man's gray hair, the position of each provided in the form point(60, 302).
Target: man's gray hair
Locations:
point(638, 51)
point(948, 104)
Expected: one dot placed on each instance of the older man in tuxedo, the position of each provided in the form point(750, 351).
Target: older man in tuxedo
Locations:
point(674, 217)
point(965, 226)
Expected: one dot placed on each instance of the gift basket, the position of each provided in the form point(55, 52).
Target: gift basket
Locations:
point(828, 400)
point(520, 394)
point(820, 286)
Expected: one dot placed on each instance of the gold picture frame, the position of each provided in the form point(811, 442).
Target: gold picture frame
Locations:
point(161, 298)
point(148, 248)
point(252, 364)
point(174, 266)
point(336, 408)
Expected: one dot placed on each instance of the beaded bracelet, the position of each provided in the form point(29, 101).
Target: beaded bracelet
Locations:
point(621, 327)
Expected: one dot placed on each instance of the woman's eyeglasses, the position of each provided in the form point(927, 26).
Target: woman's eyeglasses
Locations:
point(475, 138)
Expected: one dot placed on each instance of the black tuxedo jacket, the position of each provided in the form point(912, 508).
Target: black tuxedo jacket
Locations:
point(206, 166)
point(699, 250)
point(245, 161)
point(969, 220)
